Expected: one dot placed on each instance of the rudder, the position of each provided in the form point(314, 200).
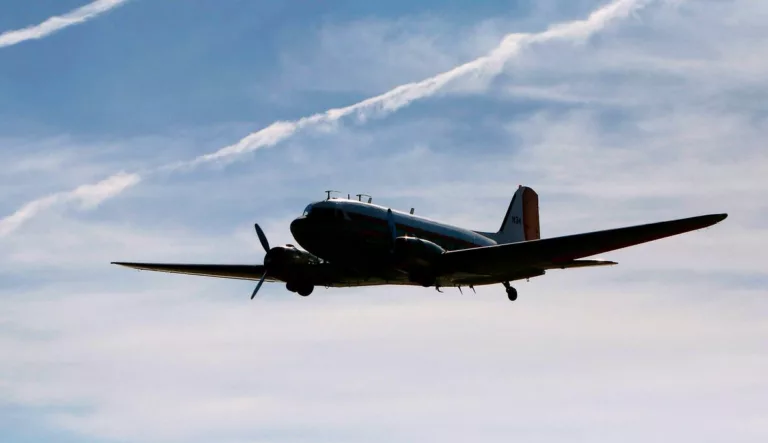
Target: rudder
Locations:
point(521, 222)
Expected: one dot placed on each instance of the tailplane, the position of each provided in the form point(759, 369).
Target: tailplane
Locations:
point(521, 222)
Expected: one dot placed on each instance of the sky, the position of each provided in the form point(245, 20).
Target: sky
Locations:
point(161, 131)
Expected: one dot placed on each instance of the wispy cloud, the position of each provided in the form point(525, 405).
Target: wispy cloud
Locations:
point(610, 354)
point(59, 22)
point(487, 67)
point(87, 196)
point(480, 69)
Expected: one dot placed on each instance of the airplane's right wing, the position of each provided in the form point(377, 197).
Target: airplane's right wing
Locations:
point(560, 252)
point(238, 272)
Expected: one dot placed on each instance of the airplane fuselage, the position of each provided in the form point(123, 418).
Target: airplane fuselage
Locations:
point(350, 231)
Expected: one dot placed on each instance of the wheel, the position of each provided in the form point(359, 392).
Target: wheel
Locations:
point(422, 279)
point(290, 286)
point(305, 290)
point(512, 293)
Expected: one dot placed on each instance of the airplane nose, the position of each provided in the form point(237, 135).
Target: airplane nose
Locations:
point(298, 228)
point(303, 231)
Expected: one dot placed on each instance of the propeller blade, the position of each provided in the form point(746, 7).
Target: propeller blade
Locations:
point(258, 285)
point(262, 237)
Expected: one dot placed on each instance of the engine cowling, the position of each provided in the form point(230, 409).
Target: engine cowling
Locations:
point(287, 255)
point(413, 253)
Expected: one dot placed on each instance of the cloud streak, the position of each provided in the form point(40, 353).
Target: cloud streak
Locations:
point(59, 22)
point(482, 69)
point(485, 67)
point(96, 352)
point(88, 196)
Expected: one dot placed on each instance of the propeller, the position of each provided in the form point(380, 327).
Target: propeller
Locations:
point(265, 245)
point(258, 285)
point(262, 237)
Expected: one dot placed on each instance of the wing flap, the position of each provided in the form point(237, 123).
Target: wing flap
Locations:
point(560, 251)
point(240, 272)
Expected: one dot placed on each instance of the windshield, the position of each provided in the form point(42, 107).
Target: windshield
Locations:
point(307, 210)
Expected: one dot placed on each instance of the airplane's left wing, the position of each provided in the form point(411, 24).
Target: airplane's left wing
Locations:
point(240, 272)
point(563, 252)
point(578, 264)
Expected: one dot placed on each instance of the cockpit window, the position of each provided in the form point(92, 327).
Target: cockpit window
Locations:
point(325, 213)
point(322, 213)
point(307, 210)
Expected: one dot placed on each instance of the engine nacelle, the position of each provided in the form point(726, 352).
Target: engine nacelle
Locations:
point(288, 255)
point(416, 253)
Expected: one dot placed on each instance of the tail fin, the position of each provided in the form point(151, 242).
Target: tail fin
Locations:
point(521, 222)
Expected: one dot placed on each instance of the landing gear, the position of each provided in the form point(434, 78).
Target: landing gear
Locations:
point(425, 280)
point(511, 292)
point(300, 288)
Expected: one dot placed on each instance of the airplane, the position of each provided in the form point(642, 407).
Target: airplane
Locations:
point(351, 242)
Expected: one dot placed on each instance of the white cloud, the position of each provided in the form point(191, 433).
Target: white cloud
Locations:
point(593, 353)
point(59, 22)
point(669, 344)
point(481, 69)
point(90, 196)
point(485, 67)
point(87, 196)
point(170, 366)
point(372, 55)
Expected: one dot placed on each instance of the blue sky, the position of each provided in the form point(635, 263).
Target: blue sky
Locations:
point(161, 131)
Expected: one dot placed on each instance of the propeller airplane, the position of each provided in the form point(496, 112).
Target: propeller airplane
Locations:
point(350, 243)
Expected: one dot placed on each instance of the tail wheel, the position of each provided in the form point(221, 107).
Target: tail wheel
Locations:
point(511, 292)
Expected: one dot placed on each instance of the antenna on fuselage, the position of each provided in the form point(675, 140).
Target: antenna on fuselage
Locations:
point(360, 197)
point(328, 194)
point(411, 211)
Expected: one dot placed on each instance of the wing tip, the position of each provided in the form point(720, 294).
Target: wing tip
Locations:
point(126, 264)
point(713, 219)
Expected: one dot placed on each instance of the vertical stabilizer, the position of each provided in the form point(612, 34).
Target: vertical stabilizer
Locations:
point(521, 222)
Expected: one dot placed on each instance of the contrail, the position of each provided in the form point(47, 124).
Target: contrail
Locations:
point(89, 196)
point(487, 66)
point(59, 22)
